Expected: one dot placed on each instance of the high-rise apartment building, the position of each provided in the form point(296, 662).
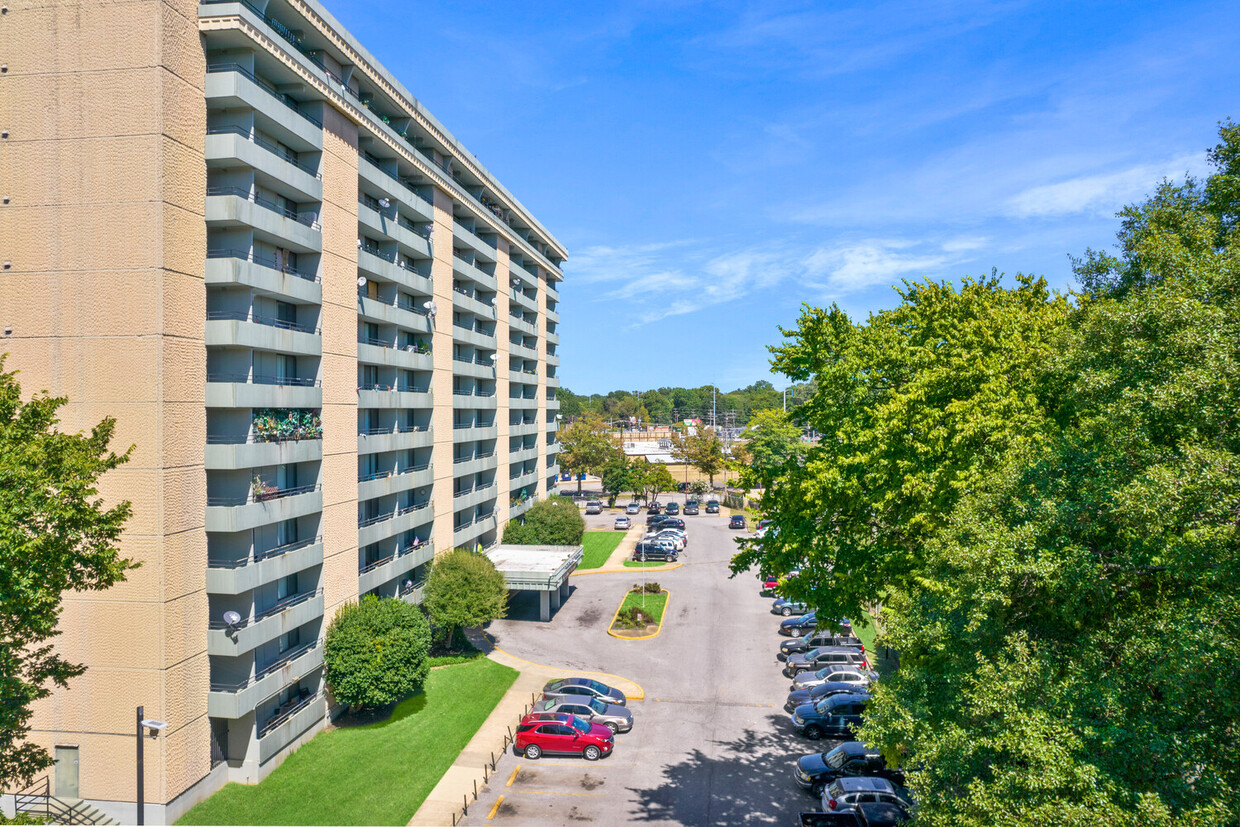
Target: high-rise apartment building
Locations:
point(328, 330)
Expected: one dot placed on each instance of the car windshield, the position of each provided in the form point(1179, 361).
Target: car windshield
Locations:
point(580, 725)
point(835, 759)
point(598, 706)
point(598, 687)
point(812, 654)
point(549, 704)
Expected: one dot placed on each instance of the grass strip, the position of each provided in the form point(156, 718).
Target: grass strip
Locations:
point(597, 546)
point(379, 773)
point(654, 604)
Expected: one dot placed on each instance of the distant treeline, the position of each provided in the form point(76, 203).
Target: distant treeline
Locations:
point(667, 405)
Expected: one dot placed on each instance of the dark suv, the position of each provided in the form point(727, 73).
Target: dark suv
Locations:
point(851, 758)
point(672, 509)
point(712, 506)
point(670, 522)
point(690, 509)
point(834, 715)
point(655, 550)
point(803, 644)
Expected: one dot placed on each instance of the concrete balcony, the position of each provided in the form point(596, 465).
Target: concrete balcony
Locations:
point(234, 210)
point(553, 381)
point(552, 338)
point(519, 298)
point(474, 433)
point(388, 227)
point(522, 403)
point(394, 357)
point(522, 480)
point(395, 523)
point(412, 595)
point(231, 149)
point(468, 239)
point(251, 515)
point(475, 402)
point(553, 471)
point(553, 404)
point(475, 369)
point(380, 442)
point(465, 536)
point(521, 350)
point(233, 394)
point(409, 318)
point(395, 483)
point(237, 267)
point(520, 377)
point(476, 274)
point(476, 497)
point(473, 305)
point(523, 429)
point(525, 327)
point(552, 293)
point(224, 332)
point(254, 573)
point(473, 337)
point(232, 87)
point(376, 266)
point(516, 510)
point(394, 189)
point(293, 727)
point(553, 359)
point(373, 577)
point(231, 456)
point(473, 465)
point(283, 618)
point(398, 400)
point(552, 448)
point(551, 316)
point(239, 700)
point(523, 454)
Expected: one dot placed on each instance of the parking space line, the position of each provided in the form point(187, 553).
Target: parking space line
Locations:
point(513, 777)
point(494, 809)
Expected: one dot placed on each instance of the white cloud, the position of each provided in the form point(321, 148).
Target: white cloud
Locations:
point(1099, 194)
point(859, 265)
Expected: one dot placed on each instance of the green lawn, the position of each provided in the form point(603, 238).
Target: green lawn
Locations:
point(598, 546)
point(375, 774)
point(883, 660)
point(647, 564)
point(654, 604)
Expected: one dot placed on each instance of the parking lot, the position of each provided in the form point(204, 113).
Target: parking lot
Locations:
point(710, 744)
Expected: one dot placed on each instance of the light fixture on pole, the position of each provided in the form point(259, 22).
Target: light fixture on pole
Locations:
point(155, 727)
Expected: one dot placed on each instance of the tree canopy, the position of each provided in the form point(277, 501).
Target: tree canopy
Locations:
point(703, 449)
point(585, 447)
point(464, 589)
point(556, 521)
point(375, 651)
point(667, 405)
point(56, 536)
point(1044, 495)
point(772, 446)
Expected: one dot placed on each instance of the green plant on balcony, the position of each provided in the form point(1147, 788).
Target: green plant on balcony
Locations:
point(281, 425)
point(261, 490)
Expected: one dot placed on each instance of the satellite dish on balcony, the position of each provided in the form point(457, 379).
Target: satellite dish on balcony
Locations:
point(232, 619)
point(361, 281)
point(431, 307)
point(385, 203)
point(408, 584)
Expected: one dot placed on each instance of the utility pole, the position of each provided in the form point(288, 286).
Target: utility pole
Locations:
point(712, 407)
point(141, 785)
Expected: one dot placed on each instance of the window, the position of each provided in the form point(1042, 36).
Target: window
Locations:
point(286, 532)
point(286, 312)
point(286, 587)
point(289, 640)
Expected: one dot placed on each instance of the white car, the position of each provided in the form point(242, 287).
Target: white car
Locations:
point(623, 524)
point(633, 508)
point(676, 539)
point(594, 507)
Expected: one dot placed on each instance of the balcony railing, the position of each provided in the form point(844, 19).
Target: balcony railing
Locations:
point(270, 321)
point(275, 609)
point(256, 556)
point(252, 379)
point(268, 493)
point(271, 146)
point(409, 509)
point(262, 261)
point(466, 492)
point(399, 553)
point(460, 426)
point(308, 219)
point(265, 86)
point(280, 662)
point(481, 394)
point(395, 429)
point(420, 347)
point(380, 475)
point(286, 712)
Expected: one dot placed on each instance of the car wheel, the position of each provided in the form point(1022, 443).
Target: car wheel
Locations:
point(641, 557)
point(613, 727)
point(813, 732)
point(786, 612)
point(816, 789)
point(533, 752)
point(592, 753)
point(796, 632)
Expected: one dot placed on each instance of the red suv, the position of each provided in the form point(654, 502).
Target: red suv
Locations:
point(562, 735)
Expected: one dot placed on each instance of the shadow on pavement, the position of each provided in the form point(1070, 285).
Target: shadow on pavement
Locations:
point(749, 782)
point(524, 606)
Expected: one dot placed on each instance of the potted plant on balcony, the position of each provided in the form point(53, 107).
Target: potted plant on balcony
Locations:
point(261, 490)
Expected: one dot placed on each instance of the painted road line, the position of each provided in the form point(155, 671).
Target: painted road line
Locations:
point(494, 809)
point(512, 777)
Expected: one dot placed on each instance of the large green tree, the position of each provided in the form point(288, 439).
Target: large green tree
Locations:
point(702, 449)
point(617, 476)
point(773, 446)
point(556, 521)
point(56, 536)
point(375, 651)
point(464, 589)
point(585, 447)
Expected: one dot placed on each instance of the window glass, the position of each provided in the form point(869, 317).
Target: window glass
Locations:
point(598, 706)
point(835, 758)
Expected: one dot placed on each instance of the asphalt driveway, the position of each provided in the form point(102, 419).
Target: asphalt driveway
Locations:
point(710, 745)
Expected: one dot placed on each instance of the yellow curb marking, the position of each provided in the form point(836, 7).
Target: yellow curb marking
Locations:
point(657, 632)
point(641, 693)
point(513, 777)
point(626, 570)
point(495, 809)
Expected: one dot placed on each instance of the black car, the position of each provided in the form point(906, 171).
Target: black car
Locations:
point(838, 715)
point(737, 521)
point(653, 508)
point(712, 506)
point(669, 522)
point(865, 814)
point(690, 509)
point(672, 509)
point(653, 550)
point(798, 626)
point(852, 758)
point(819, 638)
point(654, 519)
point(814, 694)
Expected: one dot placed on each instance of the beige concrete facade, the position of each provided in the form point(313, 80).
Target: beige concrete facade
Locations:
point(210, 228)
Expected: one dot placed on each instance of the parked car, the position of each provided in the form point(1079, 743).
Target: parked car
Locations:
point(584, 688)
point(788, 648)
point(737, 521)
point(633, 508)
point(864, 814)
point(615, 718)
point(594, 507)
point(623, 524)
point(835, 673)
point(653, 520)
point(672, 522)
point(712, 506)
point(690, 509)
point(769, 584)
point(569, 735)
point(846, 793)
point(654, 508)
point(815, 771)
point(797, 626)
point(833, 715)
point(821, 656)
point(655, 550)
point(677, 539)
point(814, 694)
point(672, 509)
point(787, 608)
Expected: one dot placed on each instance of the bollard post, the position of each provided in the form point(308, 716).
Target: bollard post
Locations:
point(465, 806)
point(475, 789)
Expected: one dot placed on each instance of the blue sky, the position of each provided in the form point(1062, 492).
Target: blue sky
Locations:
point(711, 166)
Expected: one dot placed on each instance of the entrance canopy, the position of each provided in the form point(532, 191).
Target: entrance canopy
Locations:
point(543, 569)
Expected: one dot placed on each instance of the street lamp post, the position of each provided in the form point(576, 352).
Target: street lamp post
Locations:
point(143, 725)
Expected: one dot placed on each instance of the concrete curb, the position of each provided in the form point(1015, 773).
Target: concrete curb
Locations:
point(657, 632)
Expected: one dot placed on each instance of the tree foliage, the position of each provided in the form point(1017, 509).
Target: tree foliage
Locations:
point(464, 590)
point(585, 447)
point(56, 535)
point(617, 476)
point(375, 651)
point(668, 405)
point(703, 449)
point(555, 521)
point(1055, 535)
point(651, 478)
point(772, 446)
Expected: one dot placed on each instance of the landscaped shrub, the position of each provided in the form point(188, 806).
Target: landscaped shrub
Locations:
point(634, 617)
point(463, 590)
point(282, 424)
point(553, 522)
point(648, 588)
point(376, 651)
